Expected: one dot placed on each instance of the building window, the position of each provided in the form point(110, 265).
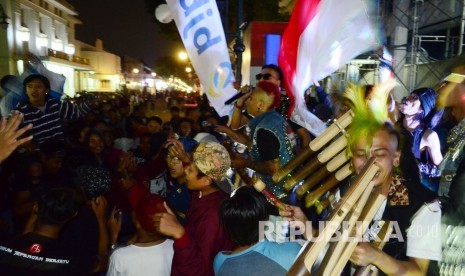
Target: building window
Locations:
point(90, 82)
point(105, 83)
point(43, 4)
point(23, 17)
point(58, 12)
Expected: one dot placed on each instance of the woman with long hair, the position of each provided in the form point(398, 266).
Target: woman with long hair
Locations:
point(419, 119)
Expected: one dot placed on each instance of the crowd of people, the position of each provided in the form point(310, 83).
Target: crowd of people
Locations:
point(94, 186)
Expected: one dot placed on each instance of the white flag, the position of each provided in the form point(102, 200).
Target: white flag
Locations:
point(199, 25)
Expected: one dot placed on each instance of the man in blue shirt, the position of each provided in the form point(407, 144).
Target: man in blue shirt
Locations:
point(240, 217)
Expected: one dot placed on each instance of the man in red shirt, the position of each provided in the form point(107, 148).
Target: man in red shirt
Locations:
point(196, 244)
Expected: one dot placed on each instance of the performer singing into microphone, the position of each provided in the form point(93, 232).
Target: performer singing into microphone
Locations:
point(273, 74)
point(272, 139)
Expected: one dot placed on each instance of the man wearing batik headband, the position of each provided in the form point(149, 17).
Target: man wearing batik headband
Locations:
point(452, 184)
point(196, 244)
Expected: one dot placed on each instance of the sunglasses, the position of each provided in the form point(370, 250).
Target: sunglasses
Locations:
point(266, 76)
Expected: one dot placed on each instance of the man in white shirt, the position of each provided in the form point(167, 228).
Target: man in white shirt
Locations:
point(152, 253)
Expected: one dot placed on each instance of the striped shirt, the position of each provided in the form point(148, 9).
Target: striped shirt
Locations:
point(48, 124)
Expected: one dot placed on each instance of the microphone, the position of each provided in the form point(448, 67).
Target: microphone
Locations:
point(234, 98)
point(244, 90)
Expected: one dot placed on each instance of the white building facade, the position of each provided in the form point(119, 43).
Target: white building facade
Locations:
point(46, 28)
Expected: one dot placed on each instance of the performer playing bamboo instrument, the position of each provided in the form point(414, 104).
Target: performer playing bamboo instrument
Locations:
point(415, 219)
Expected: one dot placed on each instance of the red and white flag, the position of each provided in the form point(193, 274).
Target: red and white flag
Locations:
point(322, 35)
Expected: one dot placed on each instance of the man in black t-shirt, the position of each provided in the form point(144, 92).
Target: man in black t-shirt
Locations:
point(34, 254)
point(39, 252)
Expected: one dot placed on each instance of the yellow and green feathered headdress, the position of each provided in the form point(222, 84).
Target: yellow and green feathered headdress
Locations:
point(370, 110)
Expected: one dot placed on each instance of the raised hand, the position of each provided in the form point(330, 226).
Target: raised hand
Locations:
point(223, 129)
point(176, 148)
point(241, 101)
point(114, 224)
point(99, 206)
point(168, 224)
point(9, 134)
point(238, 161)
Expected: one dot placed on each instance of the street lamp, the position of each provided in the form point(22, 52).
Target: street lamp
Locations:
point(135, 71)
point(239, 46)
point(3, 18)
point(182, 55)
point(184, 58)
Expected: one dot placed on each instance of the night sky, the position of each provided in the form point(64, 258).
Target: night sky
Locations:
point(124, 26)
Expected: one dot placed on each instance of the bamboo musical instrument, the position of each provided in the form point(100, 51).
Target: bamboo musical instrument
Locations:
point(315, 145)
point(366, 217)
point(310, 252)
point(320, 206)
point(383, 237)
point(323, 172)
point(260, 186)
point(323, 157)
point(336, 248)
point(339, 176)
